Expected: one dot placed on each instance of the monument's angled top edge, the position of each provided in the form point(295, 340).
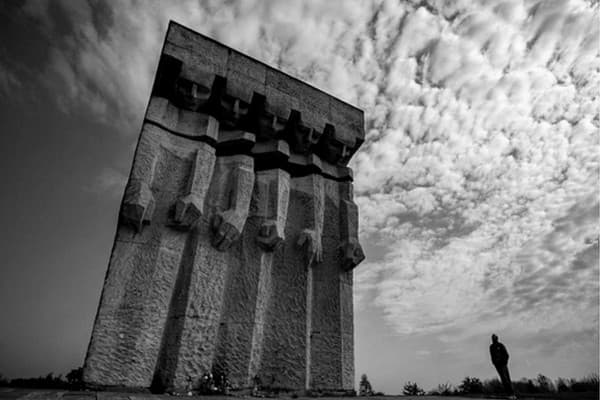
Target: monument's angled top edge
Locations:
point(176, 24)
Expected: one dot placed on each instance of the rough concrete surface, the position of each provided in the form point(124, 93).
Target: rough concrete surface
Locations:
point(237, 234)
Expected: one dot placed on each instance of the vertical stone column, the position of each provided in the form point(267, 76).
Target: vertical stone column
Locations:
point(351, 255)
point(146, 257)
point(191, 336)
point(248, 288)
point(325, 328)
point(286, 356)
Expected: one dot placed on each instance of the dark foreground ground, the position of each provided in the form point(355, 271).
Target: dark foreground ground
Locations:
point(33, 394)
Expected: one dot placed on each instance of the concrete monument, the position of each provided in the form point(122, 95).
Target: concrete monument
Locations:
point(237, 233)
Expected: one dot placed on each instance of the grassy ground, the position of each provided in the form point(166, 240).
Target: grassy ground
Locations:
point(37, 394)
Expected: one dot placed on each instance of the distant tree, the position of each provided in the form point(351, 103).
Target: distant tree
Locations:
point(540, 385)
point(471, 385)
point(412, 389)
point(587, 384)
point(75, 378)
point(48, 382)
point(443, 389)
point(525, 386)
point(493, 386)
point(563, 385)
point(544, 384)
point(3, 381)
point(365, 388)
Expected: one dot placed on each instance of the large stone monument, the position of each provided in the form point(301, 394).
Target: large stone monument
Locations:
point(237, 233)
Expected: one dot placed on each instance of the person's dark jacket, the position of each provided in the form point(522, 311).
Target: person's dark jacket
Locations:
point(499, 354)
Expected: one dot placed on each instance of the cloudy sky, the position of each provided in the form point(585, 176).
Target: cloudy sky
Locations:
point(477, 183)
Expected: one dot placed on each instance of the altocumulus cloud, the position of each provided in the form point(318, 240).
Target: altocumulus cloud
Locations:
point(477, 183)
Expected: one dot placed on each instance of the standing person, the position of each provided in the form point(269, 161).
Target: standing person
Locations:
point(500, 360)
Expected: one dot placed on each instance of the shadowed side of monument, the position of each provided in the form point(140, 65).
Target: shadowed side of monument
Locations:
point(237, 233)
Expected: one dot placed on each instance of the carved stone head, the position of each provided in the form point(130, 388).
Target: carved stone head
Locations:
point(332, 149)
point(301, 138)
point(190, 95)
point(304, 139)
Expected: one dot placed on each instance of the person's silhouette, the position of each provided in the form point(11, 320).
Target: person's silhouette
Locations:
point(500, 360)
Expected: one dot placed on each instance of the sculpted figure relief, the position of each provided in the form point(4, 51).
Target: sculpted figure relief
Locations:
point(237, 233)
point(138, 201)
point(227, 224)
point(190, 340)
point(189, 208)
point(249, 282)
point(309, 238)
point(272, 193)
point(351, 249)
